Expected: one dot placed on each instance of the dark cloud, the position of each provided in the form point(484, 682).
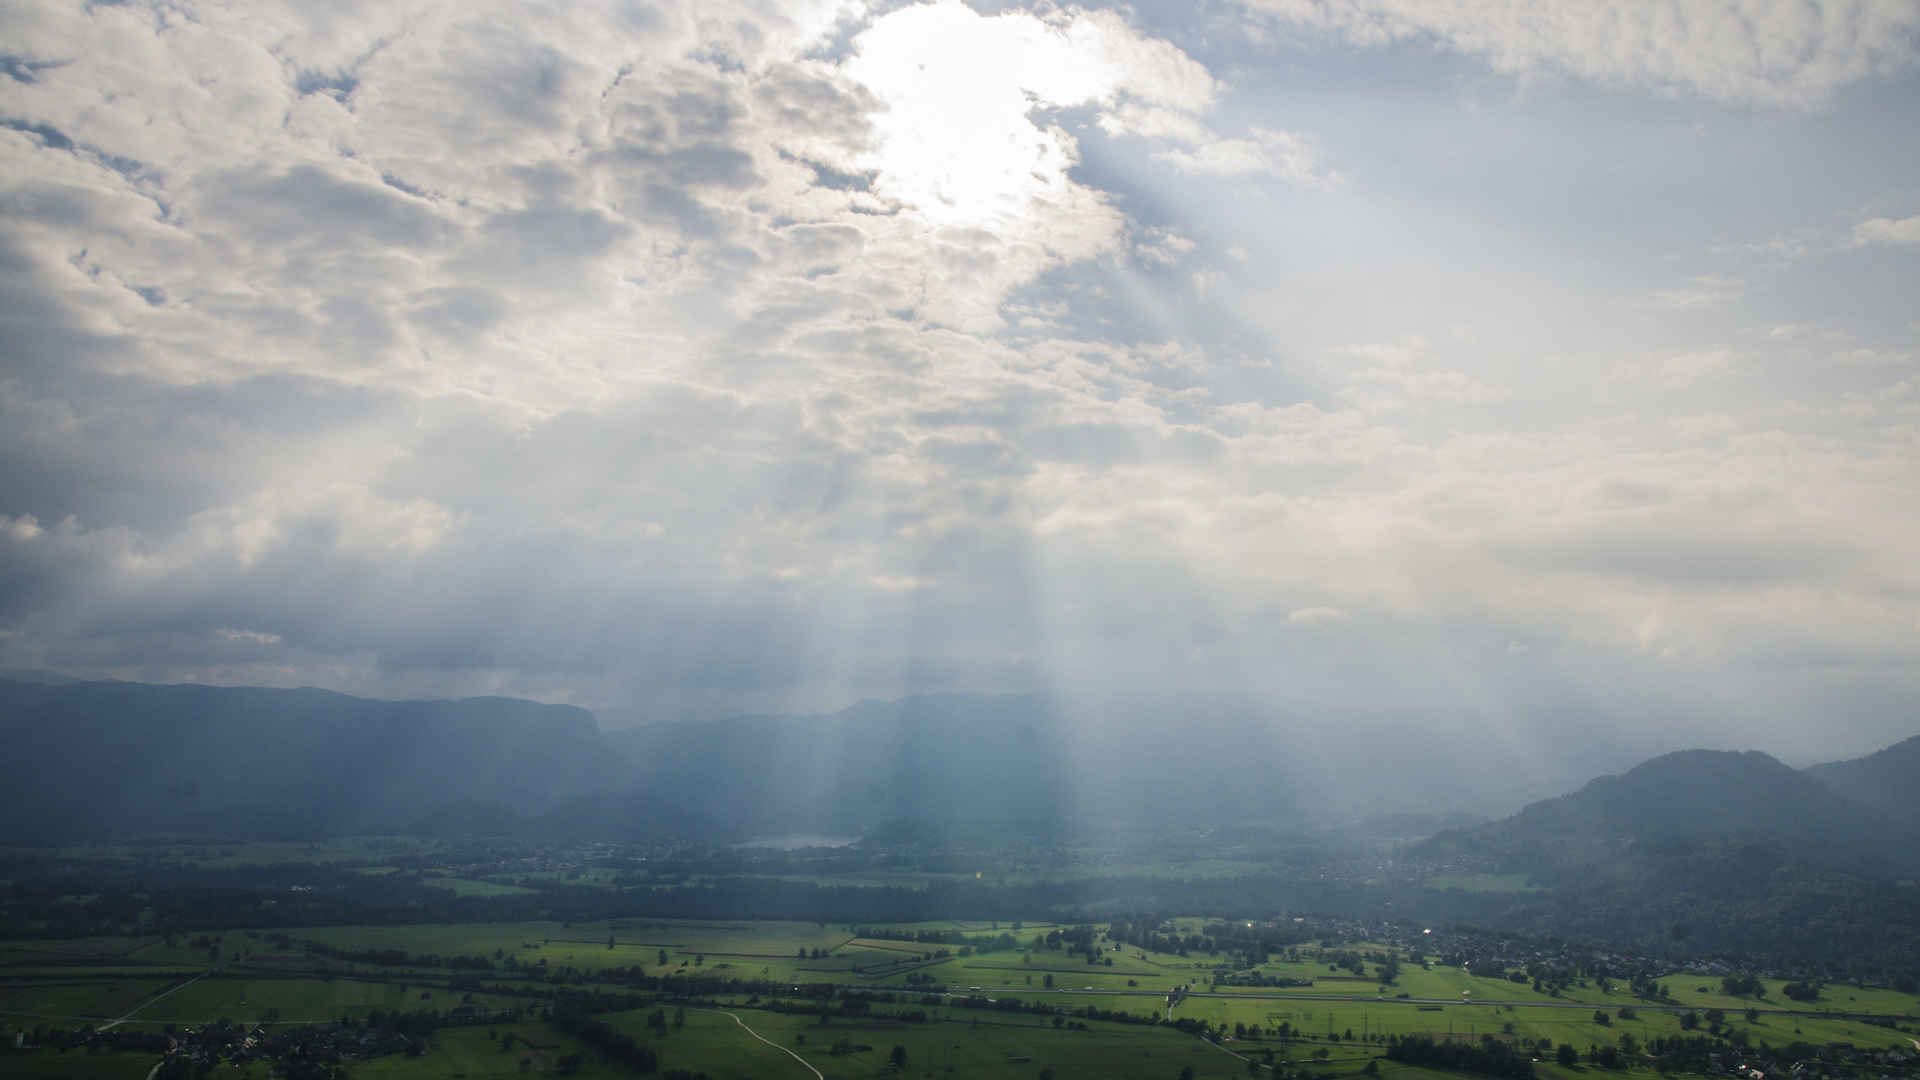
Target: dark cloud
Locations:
point(543, 238)
point(312, 208)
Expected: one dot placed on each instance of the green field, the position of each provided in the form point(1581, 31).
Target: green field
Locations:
point(251, 980)
point(77, 1065)
point(983, 1044)
point(103, 999)
point(299, 1001)
point(482, 1054)
point(469, 887)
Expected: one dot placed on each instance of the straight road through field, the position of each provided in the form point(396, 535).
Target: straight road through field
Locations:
point(775, 1045)
point(116, 1023)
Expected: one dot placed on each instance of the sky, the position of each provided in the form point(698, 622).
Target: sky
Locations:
point(1547, 364)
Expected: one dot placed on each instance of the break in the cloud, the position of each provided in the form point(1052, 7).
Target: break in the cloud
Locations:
point(682, 358)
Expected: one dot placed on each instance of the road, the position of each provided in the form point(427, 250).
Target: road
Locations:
point(775, 1045)
point(164, 993)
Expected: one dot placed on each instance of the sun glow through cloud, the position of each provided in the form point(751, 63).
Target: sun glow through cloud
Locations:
point(964, 138)
point(735, 357)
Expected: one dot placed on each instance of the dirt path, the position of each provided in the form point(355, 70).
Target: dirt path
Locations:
point(775, 1045)
point(110, 1025)
point(1230, 1053)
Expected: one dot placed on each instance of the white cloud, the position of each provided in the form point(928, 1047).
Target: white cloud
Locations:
point(1689, 367)
point(1702, 291)
point(1279, 154)
point(1162, 247)
point(1795, 52)
point(1888, 231)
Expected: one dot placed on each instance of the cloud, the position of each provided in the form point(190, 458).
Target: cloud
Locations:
point(1691, 367)
point(1275, 153)
point(956, 142)
point(735, 359)
point(1888, 231)
point(1799, 52)
point(1705, 290)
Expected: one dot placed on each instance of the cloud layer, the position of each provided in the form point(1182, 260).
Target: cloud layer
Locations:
point(1769, 51)
point(693, 359)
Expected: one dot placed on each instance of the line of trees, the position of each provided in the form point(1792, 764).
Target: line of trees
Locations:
point(571, 1019)
point(1488, 1057)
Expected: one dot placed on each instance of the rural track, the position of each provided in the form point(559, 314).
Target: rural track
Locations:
point(770, 1042)
point(164, 993)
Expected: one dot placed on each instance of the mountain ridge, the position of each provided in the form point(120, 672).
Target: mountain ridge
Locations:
point(1686, 801)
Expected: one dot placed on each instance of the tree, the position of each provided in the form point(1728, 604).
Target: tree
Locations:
point(1048, 982)
point(898, 1058)
point(1567, 1056)
point(663, 958)
point(1186, 1073)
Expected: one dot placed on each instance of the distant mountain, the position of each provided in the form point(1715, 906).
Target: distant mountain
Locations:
point(938, 758)
point(95, 759)
point(1037, 765)
point(1693, 805)
point(1704, 851)
point(1888, 780)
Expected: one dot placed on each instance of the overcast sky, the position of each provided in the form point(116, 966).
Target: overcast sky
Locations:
point(1520, 359)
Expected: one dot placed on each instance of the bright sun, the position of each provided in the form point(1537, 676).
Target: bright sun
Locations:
point(958, 141)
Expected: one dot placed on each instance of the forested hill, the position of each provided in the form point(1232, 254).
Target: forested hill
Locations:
point(1682, 804)
point(92, 759)
point(1888, 780)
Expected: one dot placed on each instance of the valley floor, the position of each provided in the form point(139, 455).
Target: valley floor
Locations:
point(782, 999)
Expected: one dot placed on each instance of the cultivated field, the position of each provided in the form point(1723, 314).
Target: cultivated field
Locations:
point(999, 1012)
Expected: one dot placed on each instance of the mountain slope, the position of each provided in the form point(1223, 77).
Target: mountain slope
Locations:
point(1887, 780)
point(1702, 807)
point(106, 758)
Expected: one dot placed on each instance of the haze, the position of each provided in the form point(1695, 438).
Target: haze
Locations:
point(1519, 372)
